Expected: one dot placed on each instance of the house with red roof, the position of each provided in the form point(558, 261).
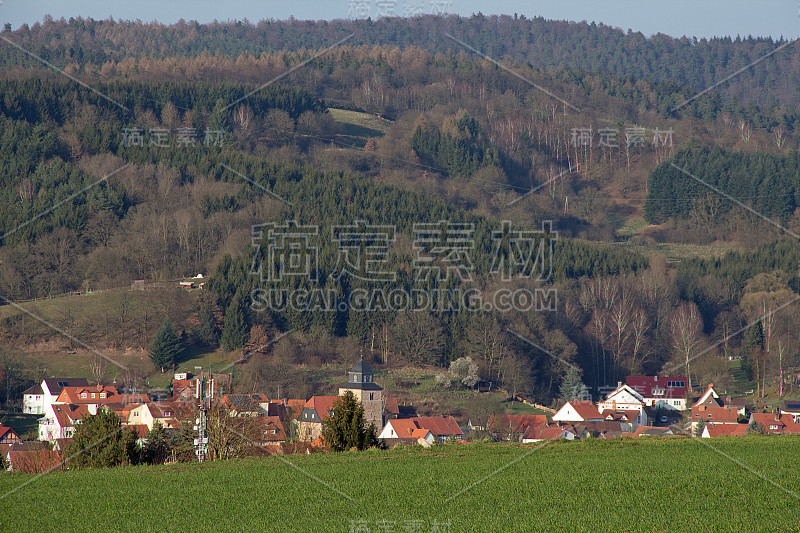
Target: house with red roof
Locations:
point(629, 419)
point(776, 423)
point(316, 411)
point(406, 431)
point(511, 427)
point(578, 411)
point(661, 392)
point(624, 399)
point(443, 428)
point(548, 432)
point(60, 420)
point(9, 436)
point(725, 430)
point(36, 399)
point(712, 415)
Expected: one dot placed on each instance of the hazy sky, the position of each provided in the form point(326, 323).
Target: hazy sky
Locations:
point(702, 18)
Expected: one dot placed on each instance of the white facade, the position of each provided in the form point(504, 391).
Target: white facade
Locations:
point(579, 412)
point(625, 398)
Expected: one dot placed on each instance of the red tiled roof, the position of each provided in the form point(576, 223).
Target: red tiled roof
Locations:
point(732, 430)
point(621, 415)
point(585, 409)
point(645, 386)
point(34, 461)
point(74, 395)
point(4, 430)
point(785, 422)
point(719, 415)
point(408, 428)
point(515, 423)
point(391, 406)
point(440, 426)
point(322, 405)
point(140, 429)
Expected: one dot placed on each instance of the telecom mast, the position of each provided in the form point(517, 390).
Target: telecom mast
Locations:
point(204, 395)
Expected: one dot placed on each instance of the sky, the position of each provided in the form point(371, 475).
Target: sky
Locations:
point(700, 18)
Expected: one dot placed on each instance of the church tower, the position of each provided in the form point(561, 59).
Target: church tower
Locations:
point(360, 381)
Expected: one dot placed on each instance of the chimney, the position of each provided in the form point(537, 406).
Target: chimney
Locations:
point(619, 384)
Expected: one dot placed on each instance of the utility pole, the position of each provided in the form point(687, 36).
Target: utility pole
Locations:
point(204, 395)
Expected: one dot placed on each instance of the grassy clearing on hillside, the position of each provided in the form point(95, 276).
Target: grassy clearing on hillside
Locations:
point(630, 485)
point(359, 124)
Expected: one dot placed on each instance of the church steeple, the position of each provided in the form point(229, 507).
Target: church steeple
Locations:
point(360, 374)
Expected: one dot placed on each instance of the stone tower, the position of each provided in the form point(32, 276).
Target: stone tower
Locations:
point(360, 381)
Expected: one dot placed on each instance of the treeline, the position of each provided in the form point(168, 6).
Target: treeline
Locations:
point(767, 183)
point(551, 45)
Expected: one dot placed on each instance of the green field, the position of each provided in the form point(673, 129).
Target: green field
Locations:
point(629, 485)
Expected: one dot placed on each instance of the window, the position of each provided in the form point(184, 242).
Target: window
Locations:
point(102, 394)
point(83, 395)
point(371, 396)
point(93, 394)
point(773, 427)
point(355, 378)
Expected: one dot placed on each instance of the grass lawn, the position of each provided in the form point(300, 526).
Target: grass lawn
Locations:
point(677, 484)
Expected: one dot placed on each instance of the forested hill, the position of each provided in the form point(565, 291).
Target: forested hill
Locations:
point(546, 45)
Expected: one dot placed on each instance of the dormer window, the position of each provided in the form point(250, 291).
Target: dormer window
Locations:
point(83, 395)
point(93, 395)
point(102, 394)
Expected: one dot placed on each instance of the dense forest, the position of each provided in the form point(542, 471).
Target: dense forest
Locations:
point(185, 158)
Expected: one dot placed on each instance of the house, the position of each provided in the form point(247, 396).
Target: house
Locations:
point(578, 411)
point(444, 428)
point(629, 419)
point(406, 431)
point(36, 399)
point(651, 431)
point(725, 430)
point(713, 415)
point(710, 398)
point(776, 423)
point(147, 414)
point(33, 458)
point(9, 436)
point(540, 433)
point(791, 408)
point(513, 427)
point(361, 382)
point(255, 404)
point(743, 405)
point(391, 410)
point(661, 392)
point(60, 419)
point(604, 429)
point(625, 399)
point(316, 411)
point(272, 430)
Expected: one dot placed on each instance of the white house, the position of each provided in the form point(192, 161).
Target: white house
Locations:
point(36, 399)
point(406, 430)
point(59, 421)
point(578, 411)
point(661, 392)
point(625, 399)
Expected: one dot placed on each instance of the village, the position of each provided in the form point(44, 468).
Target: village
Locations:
point(642, 406)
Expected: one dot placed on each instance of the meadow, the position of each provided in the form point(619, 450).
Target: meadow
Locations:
point(678, 484)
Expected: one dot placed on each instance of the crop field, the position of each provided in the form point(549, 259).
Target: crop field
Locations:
point(679, 484)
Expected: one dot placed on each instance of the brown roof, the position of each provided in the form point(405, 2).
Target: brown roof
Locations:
point(785, 422)
point(4, 430)
point(547, 433)
point(67, 414)
point(621, 415)
point(409, 428)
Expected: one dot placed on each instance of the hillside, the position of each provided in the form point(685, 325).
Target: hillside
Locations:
point(643, 485)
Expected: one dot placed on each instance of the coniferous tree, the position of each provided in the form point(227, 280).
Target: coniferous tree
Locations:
point(347, 429)
point(234, 329)
point(100, 441)
point(572, 387)
point(156, 449)
point(166, 347)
